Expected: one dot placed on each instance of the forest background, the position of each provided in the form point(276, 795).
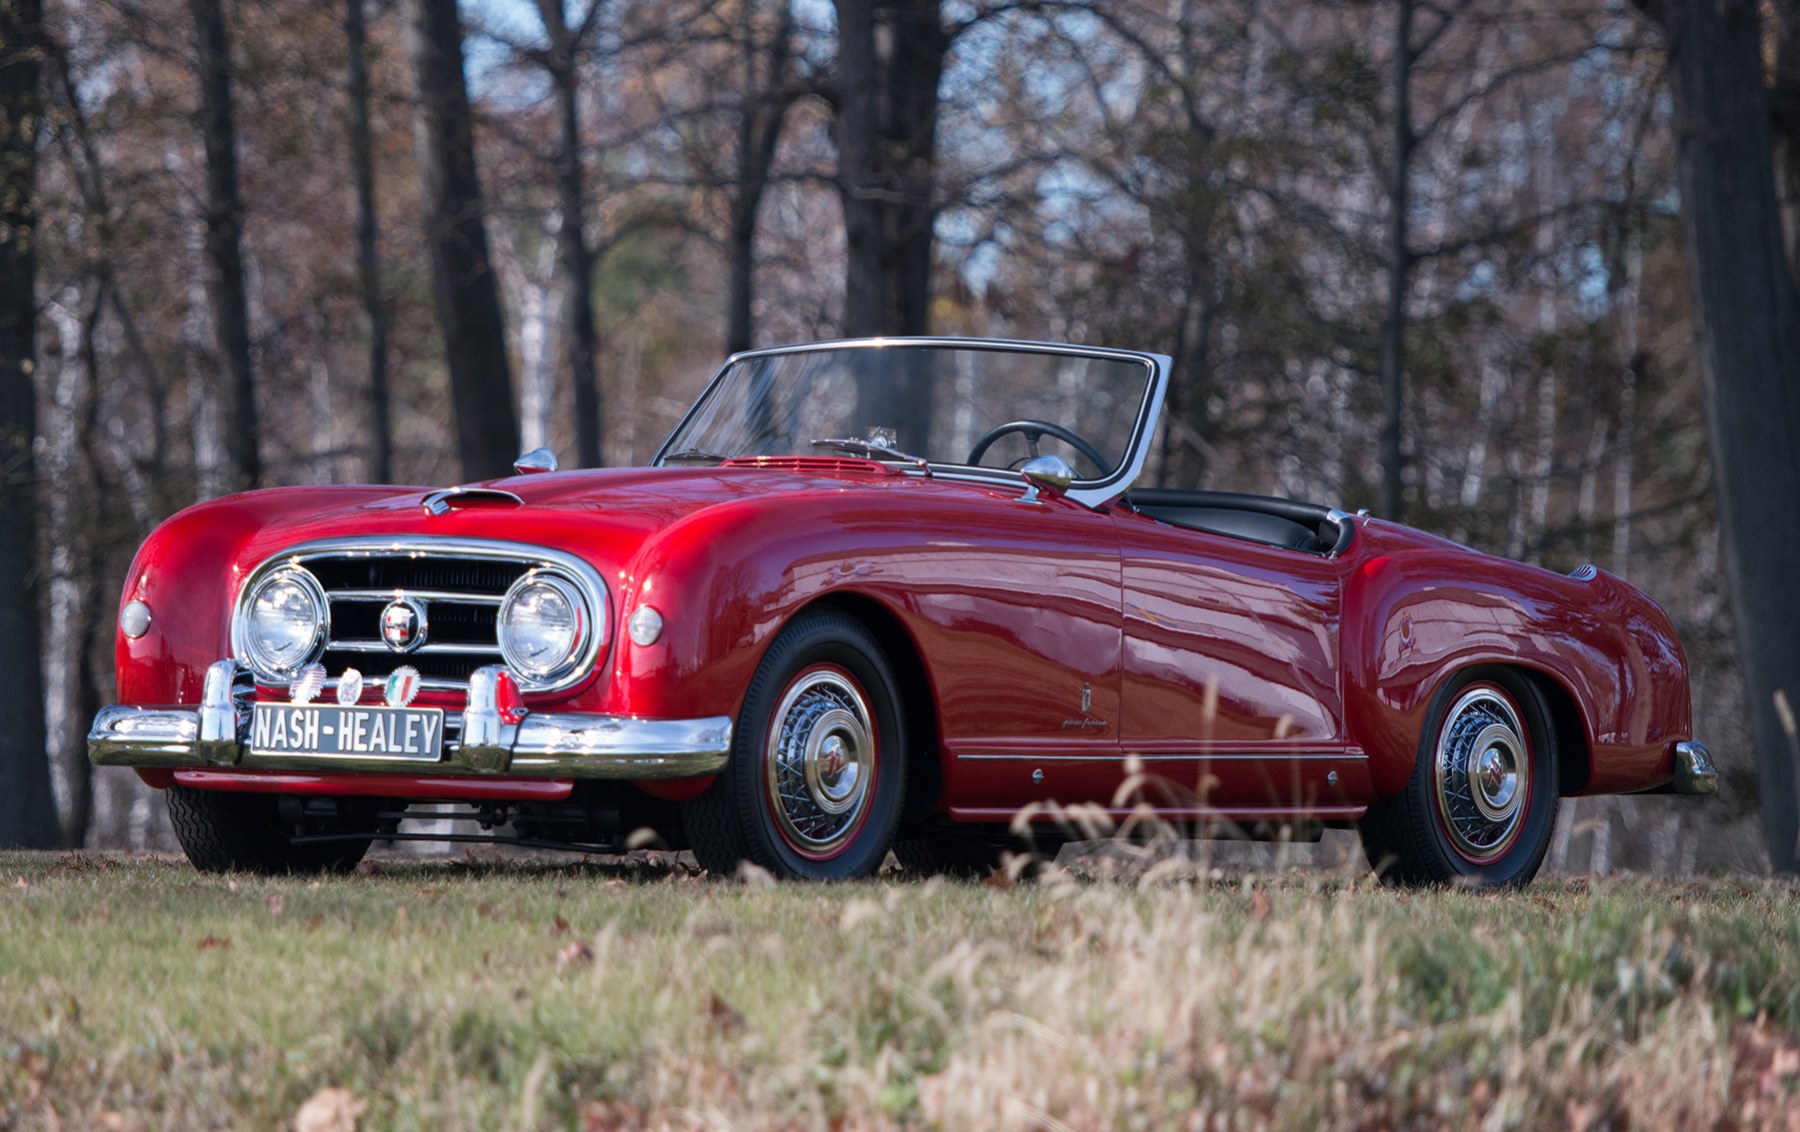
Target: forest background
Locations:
point(1433, 257)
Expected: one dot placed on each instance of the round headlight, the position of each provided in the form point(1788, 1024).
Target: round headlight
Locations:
point(544, 627)
point(284, 622)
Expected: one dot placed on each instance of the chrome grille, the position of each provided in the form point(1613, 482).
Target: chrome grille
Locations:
point(461, 599)
point(458, 583)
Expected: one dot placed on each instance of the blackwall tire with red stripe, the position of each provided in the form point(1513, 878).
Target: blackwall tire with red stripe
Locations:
point(817, 772)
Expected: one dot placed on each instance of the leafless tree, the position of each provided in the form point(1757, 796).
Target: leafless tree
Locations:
point(1747, 323)
point(368, 256)
point(27, 810)
point(225, 245)
point(462, 274)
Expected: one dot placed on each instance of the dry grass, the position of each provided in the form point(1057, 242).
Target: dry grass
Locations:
point(137, 993)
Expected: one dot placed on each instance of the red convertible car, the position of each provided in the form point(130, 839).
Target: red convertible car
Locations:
point(873, 595)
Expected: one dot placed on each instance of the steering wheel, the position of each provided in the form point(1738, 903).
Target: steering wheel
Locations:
point(1034, 431)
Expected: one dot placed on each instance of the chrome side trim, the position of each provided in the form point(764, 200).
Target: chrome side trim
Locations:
point(1694, 771)
point(539, 745)
point(1322, 756)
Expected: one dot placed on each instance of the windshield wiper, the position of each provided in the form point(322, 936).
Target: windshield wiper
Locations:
point(694, 456)
point(870, 448)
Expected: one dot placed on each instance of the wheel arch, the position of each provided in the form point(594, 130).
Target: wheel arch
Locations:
point(1569, 727)
point(918, 699)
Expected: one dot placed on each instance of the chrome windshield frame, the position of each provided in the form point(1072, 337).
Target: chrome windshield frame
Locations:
point(1090, 493)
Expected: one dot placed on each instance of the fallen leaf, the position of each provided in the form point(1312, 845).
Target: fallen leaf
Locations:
point(1581, 1114)
point(724, 1015)
point(209, 942)
point(1259, 906)
point(561, 925)
point(313, 921)
point(754, 875)
point(611, 1116)
point(329, 1110)
point(858, 912)
point(577, 953)
point(642, 838)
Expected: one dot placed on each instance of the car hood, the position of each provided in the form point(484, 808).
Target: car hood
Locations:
point(573, 510)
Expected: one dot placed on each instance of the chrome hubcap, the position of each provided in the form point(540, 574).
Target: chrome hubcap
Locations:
point(1479, 769)
point(820, 762)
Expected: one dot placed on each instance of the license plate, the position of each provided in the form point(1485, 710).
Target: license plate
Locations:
point(330, 731)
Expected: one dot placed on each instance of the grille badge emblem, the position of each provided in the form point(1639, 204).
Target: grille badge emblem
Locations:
point(403, 624)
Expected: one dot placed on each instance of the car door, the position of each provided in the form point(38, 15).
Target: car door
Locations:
point(1025, 628)
point(1230, 686)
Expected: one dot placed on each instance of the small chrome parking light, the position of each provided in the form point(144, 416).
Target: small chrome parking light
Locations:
point(646, 626)
point(134, 619)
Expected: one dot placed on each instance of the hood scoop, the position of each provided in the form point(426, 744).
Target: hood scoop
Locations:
point(450, 499)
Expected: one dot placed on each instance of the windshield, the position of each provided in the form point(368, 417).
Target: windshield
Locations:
point(940, 403)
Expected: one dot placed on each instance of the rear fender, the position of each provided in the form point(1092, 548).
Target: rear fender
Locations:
point(1414, 619)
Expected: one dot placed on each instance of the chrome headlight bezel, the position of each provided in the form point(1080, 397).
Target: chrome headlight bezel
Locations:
point(244, 641)
point(588, 640)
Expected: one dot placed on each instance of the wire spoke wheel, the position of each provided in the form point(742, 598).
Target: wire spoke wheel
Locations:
point(821, 762)
point(1479, 804)
point(817, 774)
point(1481, 772)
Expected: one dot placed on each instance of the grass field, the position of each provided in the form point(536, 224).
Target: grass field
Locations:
point(135, 992)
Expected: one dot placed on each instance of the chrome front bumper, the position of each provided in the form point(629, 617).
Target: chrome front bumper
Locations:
point(490, 741)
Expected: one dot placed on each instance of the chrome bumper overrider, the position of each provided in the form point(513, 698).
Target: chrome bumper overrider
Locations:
point(1694, 771)
point(491, 741)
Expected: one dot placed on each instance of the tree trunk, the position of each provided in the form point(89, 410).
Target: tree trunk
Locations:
point(759, 132)
point(1399, 273)
point(462, 275)
point(579, 336)
point(1747, 323)
point(368, 255)
point(1786, 94)
point(27, 806)
point(225, 248)
point(890, 59)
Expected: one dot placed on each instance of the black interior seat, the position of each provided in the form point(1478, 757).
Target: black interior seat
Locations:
point(1258, 518)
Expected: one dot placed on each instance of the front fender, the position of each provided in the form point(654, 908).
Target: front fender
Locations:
point(187, 572)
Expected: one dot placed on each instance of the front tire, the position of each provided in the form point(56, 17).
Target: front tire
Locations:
point(1481, 802)
point(223, 832)
point(818, 760)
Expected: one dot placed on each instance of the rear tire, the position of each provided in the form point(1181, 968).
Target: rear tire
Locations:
point(818, 760)
point(1481, 802)
point(223, 832)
